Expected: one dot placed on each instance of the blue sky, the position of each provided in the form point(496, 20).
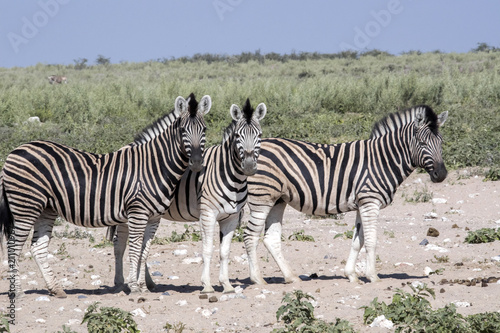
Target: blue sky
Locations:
point(60, 31)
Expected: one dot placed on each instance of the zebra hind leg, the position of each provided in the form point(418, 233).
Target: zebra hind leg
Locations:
point(144, 279)
point(39, 250)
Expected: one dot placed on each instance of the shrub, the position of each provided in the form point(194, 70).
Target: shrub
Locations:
point(109, 319)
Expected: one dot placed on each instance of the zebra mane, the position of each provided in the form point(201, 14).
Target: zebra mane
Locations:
point(162, 123)
point(396, 120)
point(247, 115)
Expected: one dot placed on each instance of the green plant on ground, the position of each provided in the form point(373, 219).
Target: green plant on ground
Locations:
point(4, 323)
point(190, 234)
point(108, 319)
point(493, 174)
point(298, 316)
point(300, 236)
point(174, 328)
point(66, 329)
point(76, 233)
point(62, 252)
point(349, 234)
point(419, 195)
point(441, 259)
point(104, 243)
point(239, 234)
point(484, 235)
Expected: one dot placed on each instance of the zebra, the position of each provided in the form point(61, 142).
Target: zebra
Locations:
point(217, 193)
point(57, 79)
point(42, 180)
point(320, 179)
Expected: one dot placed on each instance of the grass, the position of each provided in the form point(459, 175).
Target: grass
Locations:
point(319, 99)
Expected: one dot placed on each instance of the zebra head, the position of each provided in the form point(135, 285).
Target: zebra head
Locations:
point(247, 134)
point(192, 128)
point(428, 143)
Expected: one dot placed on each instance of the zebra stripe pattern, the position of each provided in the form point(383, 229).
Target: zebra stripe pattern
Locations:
point(216, 194)
point(42, 180)
point(327, 179)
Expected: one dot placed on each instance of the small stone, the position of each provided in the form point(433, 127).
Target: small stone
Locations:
point(180, 252)
point(138, 312)
point(156, 273)
point(455, 226)
point(442, 290)
point(424, 242)
point(432, 232)
point(492, 279)
point(430, 216)
point(42, 299)
point(81, 296)
point(166, 293)
point(438, 201)
point(40, 321)
point(203, 296)
point(318, 290)
point(141, 300)
point(213, 299)
point(182, 302)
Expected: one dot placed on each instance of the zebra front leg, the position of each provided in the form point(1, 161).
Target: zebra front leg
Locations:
point(144, 279)
point(39, 251)
point(369, 216)
point(227, 228)
point(207, 223)
point(356, 245)
point(120, 244)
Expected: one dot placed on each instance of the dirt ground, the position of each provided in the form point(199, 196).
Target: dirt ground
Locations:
point(87, 272)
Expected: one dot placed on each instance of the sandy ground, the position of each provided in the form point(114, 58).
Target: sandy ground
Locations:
point(87, 272)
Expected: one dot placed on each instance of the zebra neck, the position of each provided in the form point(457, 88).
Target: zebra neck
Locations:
point(395, 153)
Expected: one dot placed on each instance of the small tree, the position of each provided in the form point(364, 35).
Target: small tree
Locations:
point(102, 60)
point(80, 63)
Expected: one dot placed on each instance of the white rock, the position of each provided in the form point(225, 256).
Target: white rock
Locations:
point(196, 260)
point(206, 313)
point(73, 322)
point(34, 119)
point(431, 215)
point(403, 264)
point(496, 258)
point(462, 304)
point(238, 290)
point(42, 299)
point(173, 277)
point(473, 195)
point(138, 312)
point(61, 309)
point(439, 200)
point(180, 252)
point(308, 221)
point(261, 296)
point(417, 284)
point(182, 302)
point(460, 202)
point(40, 320)
point(33, 283)
point(456, 211)
point(93, 277)
point(96, 283)
point(497, 221)
point(77, 310)
point(428, 271)
point(383, 322)
point(436, 248)
point(225, 298)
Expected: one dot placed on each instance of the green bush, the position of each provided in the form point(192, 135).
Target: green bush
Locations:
point(484, 235)
point(108, 320)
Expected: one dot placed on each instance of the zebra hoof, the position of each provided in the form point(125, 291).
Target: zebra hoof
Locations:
point(260, 281)
point(59, 293)
point(119, 288)
point(292, 279)
point(229, 291)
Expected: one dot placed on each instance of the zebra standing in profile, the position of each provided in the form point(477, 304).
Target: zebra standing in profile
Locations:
point(57, 79)
point(42, 180)
point(217, 193)
point(321, 179)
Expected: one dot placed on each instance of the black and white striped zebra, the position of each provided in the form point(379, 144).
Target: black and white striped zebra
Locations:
point(216, 194)
point(42, 180)
point(320, 179)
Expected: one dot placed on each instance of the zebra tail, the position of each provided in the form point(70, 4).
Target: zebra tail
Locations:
point(6, 218)
point(110, 233)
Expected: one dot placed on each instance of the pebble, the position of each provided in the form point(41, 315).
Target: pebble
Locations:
point(82, 296)
point(430, 216)
point(213, 299)
point(462, 304)
point(73, 322)
point(96, 283)
point(424, 242)
point(138, 312)
point(417, 284)
point(383, 322)
point(182, 302)
point(173, 277)
point(94, 277)
point(40, 320)
point(439, 201)
point(42, 299)
point(196, 260)
point(496, 258)
point(157, 273)
point(180, 252)
point(428, 271)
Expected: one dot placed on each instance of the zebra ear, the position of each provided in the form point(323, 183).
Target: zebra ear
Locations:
point(420, 117)
point(180, 105)
point(205, 104)
point(236, 112)
point(442, 118)
point(260, 111)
